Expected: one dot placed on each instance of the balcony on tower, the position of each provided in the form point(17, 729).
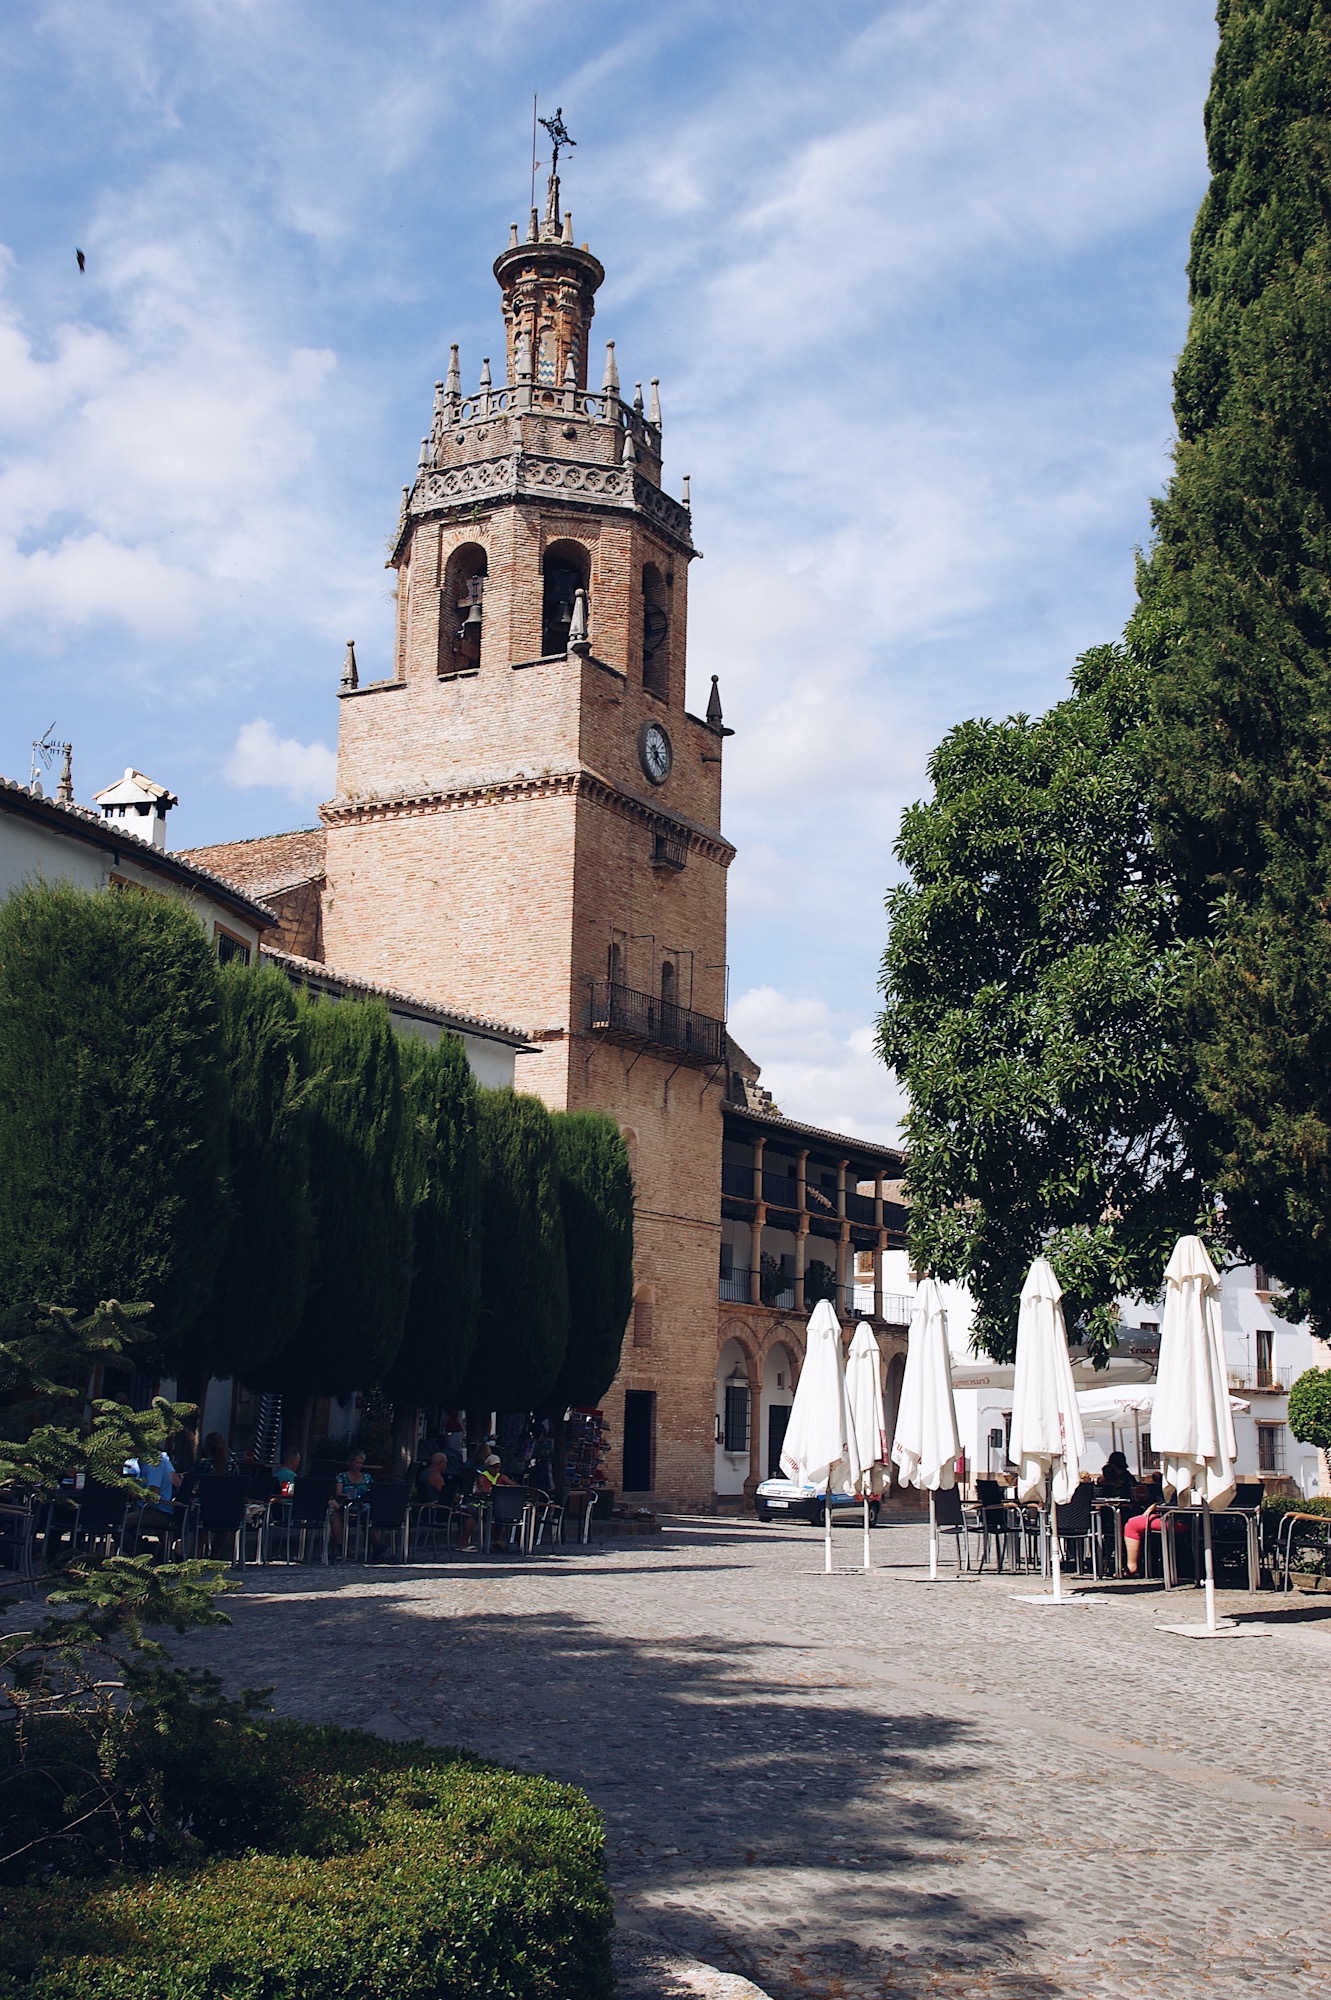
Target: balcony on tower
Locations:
point(621, 1014)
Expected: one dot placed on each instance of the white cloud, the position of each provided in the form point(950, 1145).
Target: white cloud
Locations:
point(820, 1068)
point(261, 757)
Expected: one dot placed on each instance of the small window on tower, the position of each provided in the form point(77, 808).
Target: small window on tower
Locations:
point(564, 574)
point(655, 632)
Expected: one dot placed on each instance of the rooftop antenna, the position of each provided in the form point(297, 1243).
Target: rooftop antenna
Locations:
point(45, 750)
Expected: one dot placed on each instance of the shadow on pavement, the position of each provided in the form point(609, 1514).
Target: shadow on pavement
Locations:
point(773, 1828)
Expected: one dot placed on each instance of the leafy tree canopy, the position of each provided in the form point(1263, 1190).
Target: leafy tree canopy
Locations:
point(524, 1317)
point(1234, 623)
point(442, 1187)
point(112, 1104)
point(1310, 1408)
point(1030, 981)
point(596, 1197)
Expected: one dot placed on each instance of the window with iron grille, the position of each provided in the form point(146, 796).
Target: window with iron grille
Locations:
point(736, 1425)
point(669, 851)
point(1270, 1447)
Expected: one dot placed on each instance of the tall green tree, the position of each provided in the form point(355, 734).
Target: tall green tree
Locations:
point(523, 1332)
point(442, 1185)
point(1234, 621)
point(596, 1200)
point(263, 1277)
point(1030, 980)
point(355, 1310)
point(112, 1104)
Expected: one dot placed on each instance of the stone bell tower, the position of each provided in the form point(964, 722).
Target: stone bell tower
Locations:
point(527, 819)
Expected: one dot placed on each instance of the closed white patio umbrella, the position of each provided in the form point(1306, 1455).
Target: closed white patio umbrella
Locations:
point(1047, 1442)
point(1192, 1424)
point(818, 1447)
point(864, 1395)
point(927, 1442)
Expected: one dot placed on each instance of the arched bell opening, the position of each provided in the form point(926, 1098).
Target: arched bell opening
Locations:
point(564, 572)
point(461, 604)
point(655, 632)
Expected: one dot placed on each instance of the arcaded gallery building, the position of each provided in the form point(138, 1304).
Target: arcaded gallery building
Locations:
point(527, 831)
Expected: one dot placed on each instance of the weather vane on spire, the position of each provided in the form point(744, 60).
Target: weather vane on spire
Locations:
point(559, 135)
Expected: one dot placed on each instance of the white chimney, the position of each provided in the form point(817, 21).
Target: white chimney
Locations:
point(137, 806)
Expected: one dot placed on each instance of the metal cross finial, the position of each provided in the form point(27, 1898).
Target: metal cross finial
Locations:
point(559, 135)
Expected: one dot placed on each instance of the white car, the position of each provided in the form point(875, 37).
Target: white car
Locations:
point(783, 1499)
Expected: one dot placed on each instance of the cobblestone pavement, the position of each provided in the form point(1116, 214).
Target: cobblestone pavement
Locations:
point(852, 1786)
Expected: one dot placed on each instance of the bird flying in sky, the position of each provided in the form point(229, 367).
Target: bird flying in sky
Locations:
point(82, 260)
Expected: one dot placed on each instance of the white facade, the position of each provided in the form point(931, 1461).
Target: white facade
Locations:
point(42, 840)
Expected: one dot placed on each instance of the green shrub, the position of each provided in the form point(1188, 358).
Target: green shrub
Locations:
point(1291, 1503)
point(393, 1872)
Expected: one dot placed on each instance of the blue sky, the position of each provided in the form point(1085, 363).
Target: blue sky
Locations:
point(912, 276)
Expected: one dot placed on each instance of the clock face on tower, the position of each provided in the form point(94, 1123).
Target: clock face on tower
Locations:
point(654, 752)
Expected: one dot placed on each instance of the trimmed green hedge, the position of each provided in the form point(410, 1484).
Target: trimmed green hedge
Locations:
point(1290, 1503)
point(399, 1873)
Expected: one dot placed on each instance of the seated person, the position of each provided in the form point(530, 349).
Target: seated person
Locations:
point(432, 1484)
point(351, 1491)
point(1116, 1480)
point(1134, 1530)
point(217, 1460)
point(157, 1513)
point(287, 1472)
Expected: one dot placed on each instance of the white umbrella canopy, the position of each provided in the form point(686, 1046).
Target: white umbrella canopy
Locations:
point(818, 1449)
point(927, 1442)
point(1192, 1423)
point(1047, 1434)
point(864, 1395)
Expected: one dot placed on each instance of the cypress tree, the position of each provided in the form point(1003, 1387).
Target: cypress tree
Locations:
point(442, 1186)
point(596, 1200)
point(112, 1104)
point(351, 1329)
point(523, 1331)
point(1234, 620)
point(264, 1274)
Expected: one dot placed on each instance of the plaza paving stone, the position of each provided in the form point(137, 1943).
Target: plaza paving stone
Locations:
point(856, 1786)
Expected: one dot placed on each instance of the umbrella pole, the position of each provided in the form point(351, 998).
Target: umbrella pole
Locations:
point(1208, 1566)
point(933, 1538)
point(827, 1529)
point(1055, 1552)
point(866, 1527)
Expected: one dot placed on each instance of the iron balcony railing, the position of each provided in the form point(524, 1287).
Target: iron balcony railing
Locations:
point(740, 1287)
point(1272, 1381)
point(642, 1017)
point(737, 1180)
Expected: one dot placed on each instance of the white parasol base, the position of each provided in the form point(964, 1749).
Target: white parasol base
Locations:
point(1072, 1597)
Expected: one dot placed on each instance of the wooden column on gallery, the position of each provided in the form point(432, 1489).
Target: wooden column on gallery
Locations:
point(881, 1246)
point(845, 1288)
point(801, 1227)
point(756, 1226)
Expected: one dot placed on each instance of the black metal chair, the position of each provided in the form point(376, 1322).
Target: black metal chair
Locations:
point(511, 1511)
point(1001, 1522)
point(18, 1538)
point(431, 1527)
point(383, 1517)
point(222, 1515)
point(1076, 1527)
point(575, 1521)
point(304, 1514)
point(100, 1519)
point(950, 1517)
